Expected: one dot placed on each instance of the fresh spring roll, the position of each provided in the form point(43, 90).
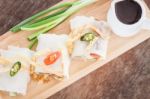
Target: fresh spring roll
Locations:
point(89, 38)
point(52, 55)
point(14, 69)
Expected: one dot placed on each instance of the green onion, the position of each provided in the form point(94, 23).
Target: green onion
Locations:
point(33, 42)
point(44, 24)
point(15, 68)
point(75, 7)
point(51, 15)
point(41, 24)
point(18, 27)
point(34, 35)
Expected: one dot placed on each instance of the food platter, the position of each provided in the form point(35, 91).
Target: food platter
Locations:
point(78, 69)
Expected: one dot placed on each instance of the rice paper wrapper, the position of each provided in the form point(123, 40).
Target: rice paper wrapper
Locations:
point(100, 46)
point(19, 82)
point(79, 49)
point(52, 43)
point(80, 21)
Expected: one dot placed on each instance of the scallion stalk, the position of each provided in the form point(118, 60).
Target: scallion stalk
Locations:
point(48, 22)
point(33, 42)
point(41, 24)
point(51, 15)
point(34, 35)
point(18, 27)
point(75, 7)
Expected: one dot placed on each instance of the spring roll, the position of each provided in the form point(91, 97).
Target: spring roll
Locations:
point(9, 81)
point(89, 37)
point(52, 55)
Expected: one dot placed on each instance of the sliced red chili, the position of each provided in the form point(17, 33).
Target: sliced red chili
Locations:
point(52, 58)
point(95, 55)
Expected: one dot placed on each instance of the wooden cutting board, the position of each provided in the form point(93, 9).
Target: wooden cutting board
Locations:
point(78, 69)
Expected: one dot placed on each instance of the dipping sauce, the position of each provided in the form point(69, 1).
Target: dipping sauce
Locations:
point(128, 11)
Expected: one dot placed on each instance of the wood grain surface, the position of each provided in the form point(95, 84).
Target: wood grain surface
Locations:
point(127, 77)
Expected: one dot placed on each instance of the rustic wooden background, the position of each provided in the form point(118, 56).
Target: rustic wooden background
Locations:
point(126, 77)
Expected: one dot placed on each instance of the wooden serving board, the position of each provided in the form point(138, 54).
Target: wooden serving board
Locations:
point(78, 69)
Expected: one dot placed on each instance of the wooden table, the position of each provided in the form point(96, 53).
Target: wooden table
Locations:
point(126, 77)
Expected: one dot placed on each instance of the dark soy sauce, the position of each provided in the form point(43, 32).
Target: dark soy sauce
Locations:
point(128, 11)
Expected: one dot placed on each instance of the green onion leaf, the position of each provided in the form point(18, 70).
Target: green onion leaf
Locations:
point(36, 34)
point(75, 7)
point(33, 42)
point(51, 15)
point(41, 24)
point(17, 28)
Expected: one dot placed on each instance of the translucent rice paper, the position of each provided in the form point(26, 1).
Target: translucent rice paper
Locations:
point(100, 46)
point(18, 83)
point(52, 43)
